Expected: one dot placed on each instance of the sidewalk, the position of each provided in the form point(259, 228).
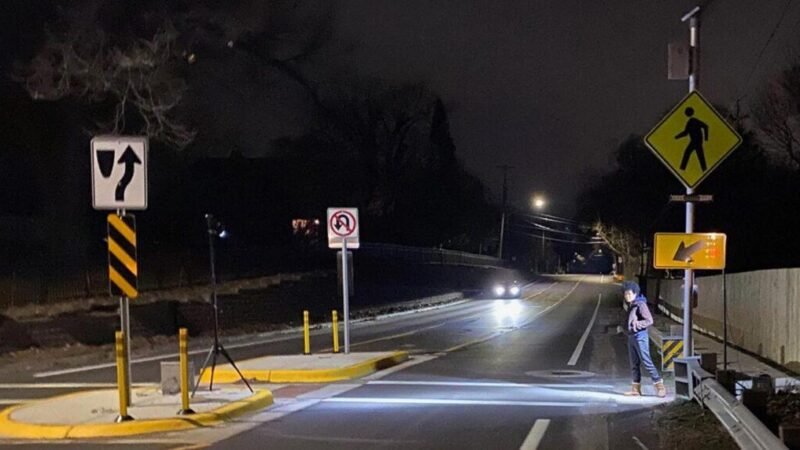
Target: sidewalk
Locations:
point(737, 360)
point(92, 414)
point(315, 368)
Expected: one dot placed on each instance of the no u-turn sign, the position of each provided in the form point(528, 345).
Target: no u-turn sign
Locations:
point(343, 224)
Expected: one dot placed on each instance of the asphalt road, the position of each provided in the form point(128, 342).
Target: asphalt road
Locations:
point(545, 370)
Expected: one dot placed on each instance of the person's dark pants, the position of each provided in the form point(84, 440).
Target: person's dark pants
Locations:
point(639, 355)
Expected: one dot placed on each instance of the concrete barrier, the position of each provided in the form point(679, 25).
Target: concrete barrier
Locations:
point(763, 310)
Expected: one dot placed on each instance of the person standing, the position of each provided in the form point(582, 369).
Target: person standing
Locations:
point(638, 319)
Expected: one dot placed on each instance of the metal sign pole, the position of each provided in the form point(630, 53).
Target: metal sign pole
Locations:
point(688, 278)
point(724, 320)
point(345, 298)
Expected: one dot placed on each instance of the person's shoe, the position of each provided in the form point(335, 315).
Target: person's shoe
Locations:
point(636, 390)
point(661, 390)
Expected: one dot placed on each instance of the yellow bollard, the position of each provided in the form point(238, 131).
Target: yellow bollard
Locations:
point(306, 340)
point(122, 377)
point(183, 351)
point(335, 327)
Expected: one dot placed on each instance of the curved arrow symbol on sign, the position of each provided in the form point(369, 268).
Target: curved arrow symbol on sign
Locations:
point(128, 158)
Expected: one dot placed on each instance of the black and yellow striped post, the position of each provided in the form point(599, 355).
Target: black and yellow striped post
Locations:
point(183, 351)
point(122, 382)
point(670, 349)
point(123, 275)
point(123, 267)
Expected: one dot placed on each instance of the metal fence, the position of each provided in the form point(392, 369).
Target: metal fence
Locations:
point(422, 255)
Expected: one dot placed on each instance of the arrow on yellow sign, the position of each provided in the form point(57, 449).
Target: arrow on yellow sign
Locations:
point(684, 253)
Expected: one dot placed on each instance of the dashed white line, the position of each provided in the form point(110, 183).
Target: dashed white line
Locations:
point(535, 435)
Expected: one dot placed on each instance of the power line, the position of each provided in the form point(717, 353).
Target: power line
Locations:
point(764, 48)
point(553, 230)
point(539, 236)
point(549, 217)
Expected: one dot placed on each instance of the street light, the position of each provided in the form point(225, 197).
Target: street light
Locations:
point(538, 202)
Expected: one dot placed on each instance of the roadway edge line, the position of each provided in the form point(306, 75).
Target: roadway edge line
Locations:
point(577, 353)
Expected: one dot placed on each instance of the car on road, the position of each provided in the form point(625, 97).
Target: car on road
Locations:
point(506, 289)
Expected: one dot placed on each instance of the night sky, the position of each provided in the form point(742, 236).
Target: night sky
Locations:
point(548, 87)
point(553, 87)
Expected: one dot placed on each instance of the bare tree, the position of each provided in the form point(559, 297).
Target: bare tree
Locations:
point(134, 58)
point(386, 128)
point(624, 243)
point(137, 76)
point(777, 116)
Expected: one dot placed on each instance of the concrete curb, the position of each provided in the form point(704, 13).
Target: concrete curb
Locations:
point(358, 370)
point(23, 430)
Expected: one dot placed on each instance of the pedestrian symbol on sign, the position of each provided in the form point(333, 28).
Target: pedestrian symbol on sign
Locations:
point(697, 131)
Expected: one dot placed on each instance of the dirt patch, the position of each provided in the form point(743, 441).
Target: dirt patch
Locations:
point(685, 425)
point(783, 408)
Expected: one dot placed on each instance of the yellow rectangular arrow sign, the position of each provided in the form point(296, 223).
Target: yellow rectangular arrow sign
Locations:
point(705, 251)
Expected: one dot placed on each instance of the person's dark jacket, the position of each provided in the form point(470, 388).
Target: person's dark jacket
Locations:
point(639, 317)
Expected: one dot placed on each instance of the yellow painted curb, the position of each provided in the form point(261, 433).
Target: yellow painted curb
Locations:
point(310, 375)
point(21, 430)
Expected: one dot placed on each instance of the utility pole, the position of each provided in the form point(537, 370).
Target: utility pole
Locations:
point(504, 168)
point(693, 17)
point(544, 260)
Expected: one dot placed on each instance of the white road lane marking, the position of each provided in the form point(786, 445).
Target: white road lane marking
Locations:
point(69, 385)
point(457, 402)
point(491, 385)
point(550, 308)
point(535, 435)
point(392, 337)
point(577, 353)
point(530, 297)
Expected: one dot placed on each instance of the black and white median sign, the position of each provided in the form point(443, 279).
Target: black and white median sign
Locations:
point(119, 172)
point(343, 224)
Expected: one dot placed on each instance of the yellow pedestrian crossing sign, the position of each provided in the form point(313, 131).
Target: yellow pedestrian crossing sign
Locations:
point(692, 140)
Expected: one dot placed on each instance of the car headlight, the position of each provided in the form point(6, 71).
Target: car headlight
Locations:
point(499, 290)
point(514, 290)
